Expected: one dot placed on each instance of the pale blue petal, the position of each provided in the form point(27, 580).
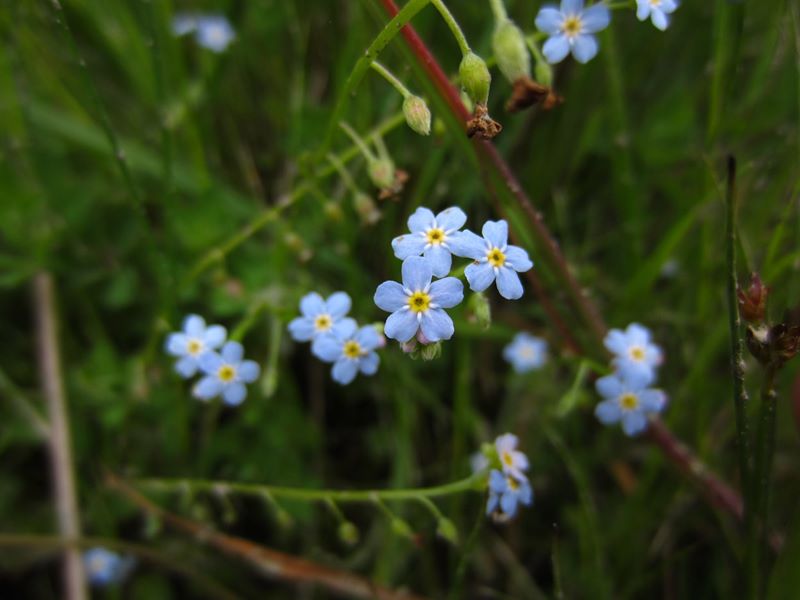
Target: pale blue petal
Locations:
point(451, 218)
point(479, 276)
point(608, 412)
point(653, 401)
point(549, 20)
point(390, 296)
point(214, 337)
point(633, 423)
point(183, 24)
point(186, 367)
point(447, 292)
point(668, 6)
point(327, 348)
point(491, 503)
point(344, 328)
point(232, 352)
point(312, 304)
point(302, 329)
point(585, 48)
point(508, 503)
point(660, 20)
point(338, 304)
point(556, 48)
point(508, 284)
point(595, 18)
point(207, 388)
point(517, 259)
point(344, 370)
point(616, 342)
point(496, 232)
point(467, 244)
point(194, 325)
point(369, 364)
point(176, 344)
point(439, 259)
point(497, 482)
point(421, 220)
point(638, 334)
point(409, 244)
point(643, 10)
point(210, 362)
point(525, 493)
point(401, 325)
point(437, 325)
point(368, 338)
point(249, 371)
point(637, 375)
point(214, 33)
point(609, 386)
point(416, 273)
point(234, 394)
point(571, 7)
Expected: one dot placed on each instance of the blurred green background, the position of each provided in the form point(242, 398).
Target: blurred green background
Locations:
point(628, 174)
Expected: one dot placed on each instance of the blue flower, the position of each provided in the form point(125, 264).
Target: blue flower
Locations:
point(634, 355)
point(104, 567)
point(350, 353)
point(494, 259)
point(417, 304)
point(431, 236)
point(506, 493)
point(195, 340)
point(322, 316)
point(226, 374)
point(526, 352)
point(657, 10)
point(512, 460)
point(570, 29)
point(211, 31)
point(628, 399)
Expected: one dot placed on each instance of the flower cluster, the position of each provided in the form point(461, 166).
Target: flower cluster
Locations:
point(627, 393)
point(526, 352)
point(336, 338)
point(572, 26)
point(225, 373)
point(417, 304)
point(104, 567)
point(508, 486)
point(210, 31)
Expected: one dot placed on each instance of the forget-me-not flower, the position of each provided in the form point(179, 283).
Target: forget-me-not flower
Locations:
point(417, 304)
point(104, 567)
point(512, 460)
point(628, 399)
point(495, 259)
point(634, 354)
point(225, 374)
point(570, 29)
point(506, 493)
point(657, 10)
point(322, 316)
point(190, 344)
point(526, 352)
point(211, 31)
point(350, 353)
point(431, 235)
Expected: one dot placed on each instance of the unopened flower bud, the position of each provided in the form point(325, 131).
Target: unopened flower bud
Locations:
point(509, 48)
point(381, 173)
point(367, 210)
point(446, 529)
point(417, 114)
point(544, 73)
point(401, 528)
point(348, 533)
point(431, 351)
point(480, 310)
point(475, 78)
point(753, 301)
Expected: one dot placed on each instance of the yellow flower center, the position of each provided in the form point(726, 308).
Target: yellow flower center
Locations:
point(352, 349)
point(419, 302)
point(507, 459)
point(496, 257)
point(637, 353)
point(226, 373)
point(513, 484)
point(435, 236)
point(322, 323)
point(655, 3)
point(572, 26)
point(629, 401)
point(194, 347)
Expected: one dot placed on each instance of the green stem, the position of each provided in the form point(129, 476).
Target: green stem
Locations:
point(453, 25)
point(463, 561)
point(343, 173)
point(360, 144)
point(499, 10)
point(388, 76)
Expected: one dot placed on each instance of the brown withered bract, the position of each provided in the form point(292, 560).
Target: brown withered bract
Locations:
point(529, 93)
point(753, 301)
point(391, 193)
point(482, 125)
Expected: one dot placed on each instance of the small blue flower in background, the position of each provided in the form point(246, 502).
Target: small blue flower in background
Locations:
point(570, 29)
point(494, 259)
point(628, 399)
point(322, 316)
point(350, 353)
point(195, 340)
point(634, 354)
point(512, 460)
point(417, 304)
point(104, 567)
point(657, 10)
point(506, 493)
point(478, 461)
point(431, 235)
point(225, 374)
point(211, 31)
point(526, 352)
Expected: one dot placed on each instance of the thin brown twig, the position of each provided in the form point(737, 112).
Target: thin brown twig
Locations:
point(268, 562)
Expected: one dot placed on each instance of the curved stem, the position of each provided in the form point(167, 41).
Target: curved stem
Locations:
point(499, 10)
point(453, 25)
point(362, 146)
point(389, 76)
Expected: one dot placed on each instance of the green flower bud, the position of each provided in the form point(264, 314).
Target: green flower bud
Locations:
point(475, 78)
point(512, 55)
point(381, 173)
point(348, 533)
point(431, 351)
point(367, 211)
point(401, 528)
point(417, 114)
point(447, 530)
point(544, 73)
point(481, 310)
